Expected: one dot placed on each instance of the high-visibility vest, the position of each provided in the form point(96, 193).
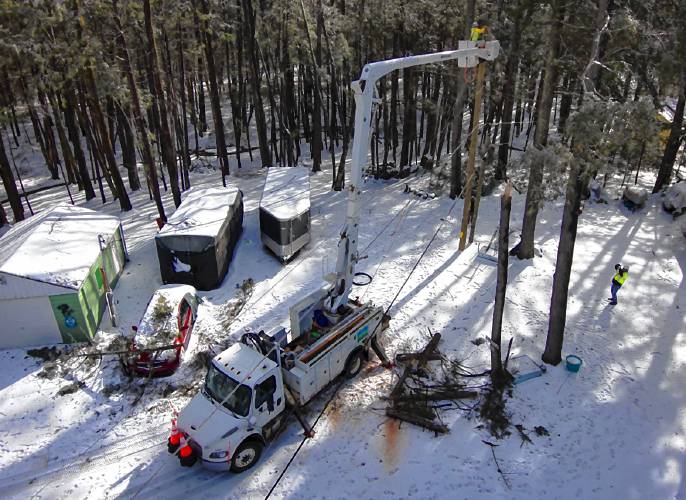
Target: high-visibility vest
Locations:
point(476, 34)
point(621, 278)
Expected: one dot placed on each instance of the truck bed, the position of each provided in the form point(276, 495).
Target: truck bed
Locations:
point(319, 362)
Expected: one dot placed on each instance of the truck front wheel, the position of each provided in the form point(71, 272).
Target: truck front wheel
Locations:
point(354, 363)
point(247, 455)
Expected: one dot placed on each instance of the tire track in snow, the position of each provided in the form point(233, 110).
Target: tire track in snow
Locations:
point(76, 465)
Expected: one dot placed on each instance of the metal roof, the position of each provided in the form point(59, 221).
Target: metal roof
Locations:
point(56, 247)
point(202, 212)
point(286, 192)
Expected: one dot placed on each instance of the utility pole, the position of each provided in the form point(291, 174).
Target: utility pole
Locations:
point(480, 72)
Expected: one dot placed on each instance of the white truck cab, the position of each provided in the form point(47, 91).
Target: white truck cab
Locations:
point(241, 401)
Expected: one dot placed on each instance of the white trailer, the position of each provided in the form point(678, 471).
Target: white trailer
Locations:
point(243, 403)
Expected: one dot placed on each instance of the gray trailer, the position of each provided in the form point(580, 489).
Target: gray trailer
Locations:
point(285, 211)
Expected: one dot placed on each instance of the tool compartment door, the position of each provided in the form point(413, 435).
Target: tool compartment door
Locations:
point(323, 372)
point(338, 358)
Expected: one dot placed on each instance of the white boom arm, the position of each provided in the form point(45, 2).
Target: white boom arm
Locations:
point(467, 55)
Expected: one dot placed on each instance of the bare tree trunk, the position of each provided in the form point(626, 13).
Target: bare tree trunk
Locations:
point(166, 143)
point(664, 175)
point(289, 99)
point(51, 156)
point(260, 120)
point(566, 102)
point(456, 129)
point(9, 184)
point(214, 98)
point(185, 154)
point(128, 146)
point(316, 143)
point(339, 180)
point(521, 16)
point(67, 154)
point(148, 161)
point(234, 97)
point(10, 103)
point(96, 156)
point(106, 145)
point(563, 266)
point(432, 118)
point(409, 119)
point(100, 129)
point(75, 138)
point(525, 248)
point(486, 160)
point(497, 375)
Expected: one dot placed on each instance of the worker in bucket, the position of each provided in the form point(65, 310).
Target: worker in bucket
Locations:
point(621, 274)
point(478, 31)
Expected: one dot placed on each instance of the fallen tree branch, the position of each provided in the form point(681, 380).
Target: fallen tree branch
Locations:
point(130, 351)
point(417, 420)
point(497, 465)
point(422, 359)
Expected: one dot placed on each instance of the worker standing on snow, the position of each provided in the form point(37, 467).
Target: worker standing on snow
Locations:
point(622, 273)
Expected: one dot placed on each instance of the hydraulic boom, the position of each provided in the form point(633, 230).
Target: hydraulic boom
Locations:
point(468, 55)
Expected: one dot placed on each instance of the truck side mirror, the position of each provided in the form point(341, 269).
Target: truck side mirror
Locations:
point(134, 328)
point(270, 404)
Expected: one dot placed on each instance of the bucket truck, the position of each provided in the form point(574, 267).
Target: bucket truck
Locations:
point(251, 387)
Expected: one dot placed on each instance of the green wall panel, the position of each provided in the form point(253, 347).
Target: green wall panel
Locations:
point(70, 318)
point(78, 314)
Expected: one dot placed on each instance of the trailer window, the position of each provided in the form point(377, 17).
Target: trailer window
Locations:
point(225, 390)
point(265, 391)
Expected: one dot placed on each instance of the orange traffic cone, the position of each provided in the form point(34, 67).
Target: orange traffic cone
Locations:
point(174, 440)
point(186, 455)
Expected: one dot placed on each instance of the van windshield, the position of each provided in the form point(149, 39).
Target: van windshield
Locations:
point(226, 391)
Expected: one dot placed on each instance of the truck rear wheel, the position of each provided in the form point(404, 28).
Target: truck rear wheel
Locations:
point(247, 455)
point(354, 364)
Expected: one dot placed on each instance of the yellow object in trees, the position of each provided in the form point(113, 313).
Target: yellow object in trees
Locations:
point(477, 33)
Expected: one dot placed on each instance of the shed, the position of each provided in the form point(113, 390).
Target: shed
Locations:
point(196, 244)
point(285, 210)
point(51, 283)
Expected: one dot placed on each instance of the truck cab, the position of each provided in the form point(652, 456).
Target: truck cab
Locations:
point(238, 410)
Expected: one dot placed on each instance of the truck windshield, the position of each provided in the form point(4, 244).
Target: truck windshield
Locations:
point(219, 386)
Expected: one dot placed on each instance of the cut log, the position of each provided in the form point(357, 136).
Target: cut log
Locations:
point(422, 359)
point(421, 396)
point(405, 357)
point(413, 419)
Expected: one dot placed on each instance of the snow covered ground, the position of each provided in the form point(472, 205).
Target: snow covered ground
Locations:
point(617, 428)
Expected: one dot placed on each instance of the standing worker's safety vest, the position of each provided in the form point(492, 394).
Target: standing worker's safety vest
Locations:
point(621, 278)
point(476, 33)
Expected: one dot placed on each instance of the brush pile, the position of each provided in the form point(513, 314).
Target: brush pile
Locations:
point(426, 386)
